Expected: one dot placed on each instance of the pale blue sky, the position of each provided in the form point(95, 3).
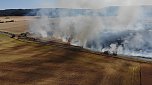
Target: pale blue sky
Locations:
point(19, 4)
point(13, 4)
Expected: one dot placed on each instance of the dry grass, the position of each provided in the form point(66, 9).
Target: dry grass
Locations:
point(35, 64)
point(20, 24)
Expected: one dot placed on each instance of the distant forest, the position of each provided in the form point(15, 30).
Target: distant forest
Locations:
point(61, 12)
point(18, 12)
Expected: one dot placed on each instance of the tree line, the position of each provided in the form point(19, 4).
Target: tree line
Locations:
point(60, 12)
point(18, 12)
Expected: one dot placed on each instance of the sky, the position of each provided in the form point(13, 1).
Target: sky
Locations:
point(21, 4)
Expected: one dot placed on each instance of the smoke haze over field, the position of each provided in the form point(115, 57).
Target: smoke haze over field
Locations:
point(91, 3)
point(122, 34)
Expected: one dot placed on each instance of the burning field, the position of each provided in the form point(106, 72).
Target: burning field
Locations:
point(84, 43)
point(55, 64)
point(24, 62)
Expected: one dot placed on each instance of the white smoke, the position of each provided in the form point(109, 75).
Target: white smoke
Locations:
point(98, 4)
point(122, 34)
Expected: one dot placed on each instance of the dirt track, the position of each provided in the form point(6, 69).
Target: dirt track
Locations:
point(146, 74)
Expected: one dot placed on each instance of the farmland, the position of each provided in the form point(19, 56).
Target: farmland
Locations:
point(31, 63)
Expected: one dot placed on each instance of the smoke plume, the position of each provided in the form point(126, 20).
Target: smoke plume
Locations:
point(124, 33)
